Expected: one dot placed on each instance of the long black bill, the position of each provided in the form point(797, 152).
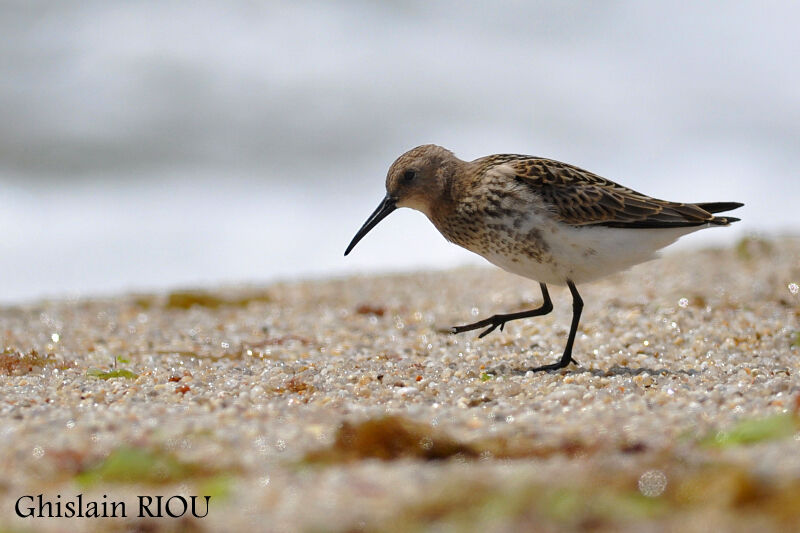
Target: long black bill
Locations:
point(387, 206)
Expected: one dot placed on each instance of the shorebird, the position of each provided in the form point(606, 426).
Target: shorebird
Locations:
point(548, 221)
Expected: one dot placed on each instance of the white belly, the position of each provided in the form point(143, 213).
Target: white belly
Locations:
point(587, 253)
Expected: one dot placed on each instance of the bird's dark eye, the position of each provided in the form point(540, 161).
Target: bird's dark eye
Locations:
point(409, 176)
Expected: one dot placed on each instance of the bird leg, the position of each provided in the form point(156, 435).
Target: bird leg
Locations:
point(577, 307)
point(500, 320)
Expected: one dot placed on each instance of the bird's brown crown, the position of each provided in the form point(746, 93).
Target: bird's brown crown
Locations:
point(422, 177)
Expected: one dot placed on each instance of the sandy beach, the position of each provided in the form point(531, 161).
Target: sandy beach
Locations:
point(343, 405)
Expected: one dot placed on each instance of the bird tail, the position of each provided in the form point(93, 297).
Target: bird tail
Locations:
point(719, 207)
point(724, 221)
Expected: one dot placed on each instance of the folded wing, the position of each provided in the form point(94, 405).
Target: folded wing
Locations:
point(581, 198)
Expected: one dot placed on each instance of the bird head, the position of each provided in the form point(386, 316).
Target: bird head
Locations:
point(417, 179)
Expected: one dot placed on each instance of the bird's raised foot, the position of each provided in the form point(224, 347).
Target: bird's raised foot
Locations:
point(493, 322)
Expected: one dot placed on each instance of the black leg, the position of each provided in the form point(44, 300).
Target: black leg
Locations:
point(500, 320)
point(577, 307)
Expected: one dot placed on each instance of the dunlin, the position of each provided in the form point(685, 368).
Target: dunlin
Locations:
point(541, 219)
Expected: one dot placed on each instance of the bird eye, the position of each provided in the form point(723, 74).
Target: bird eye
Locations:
point(409, 176)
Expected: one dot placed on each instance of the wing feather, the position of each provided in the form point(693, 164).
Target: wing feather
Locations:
point(581, 198)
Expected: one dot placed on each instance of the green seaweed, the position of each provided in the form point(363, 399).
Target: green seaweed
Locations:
point(218, 487)
point(755, 430)
point(187, 299)
point(128, 464)
point(605, 504)
point(135, 465)
point(525, 506)
point(565, 503)
point(117, 373)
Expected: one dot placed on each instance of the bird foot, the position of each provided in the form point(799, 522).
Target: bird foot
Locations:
point(493, 322)
point(554, 366)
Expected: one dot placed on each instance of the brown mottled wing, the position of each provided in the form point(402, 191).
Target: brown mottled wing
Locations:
point(581, 198)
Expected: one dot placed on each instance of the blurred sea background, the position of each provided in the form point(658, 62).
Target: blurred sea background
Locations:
point(155, 144)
